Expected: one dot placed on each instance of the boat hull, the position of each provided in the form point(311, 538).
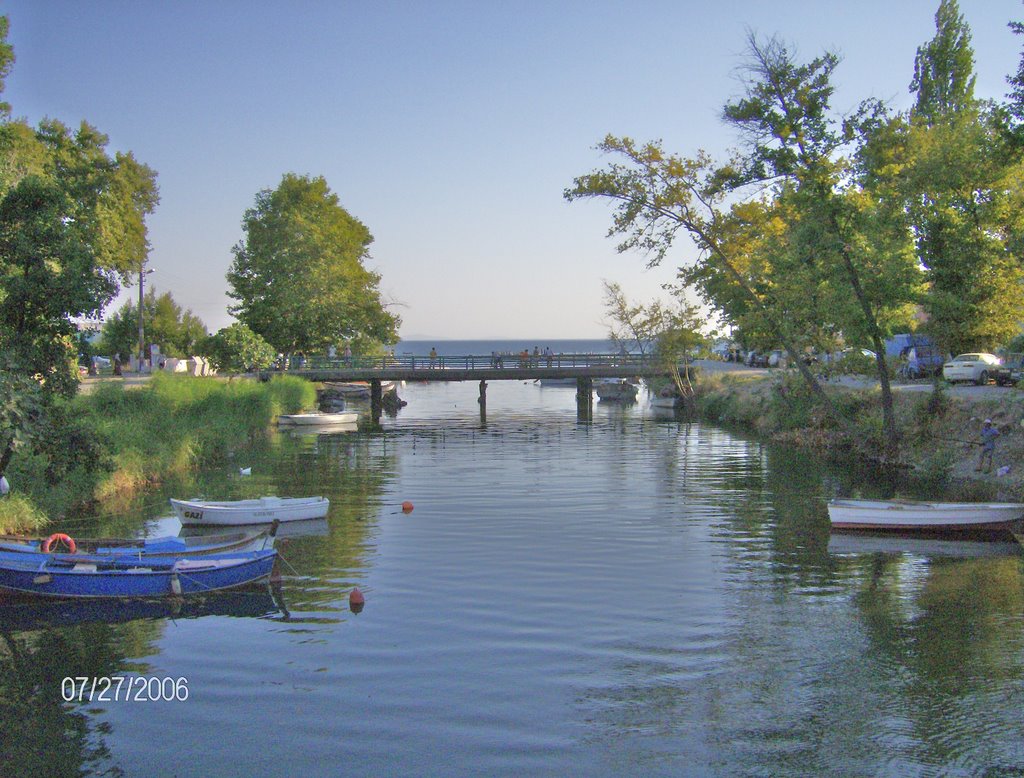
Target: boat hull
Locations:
point(318, 419)
point(42, 575)
point(930, 517)
point(245, 512)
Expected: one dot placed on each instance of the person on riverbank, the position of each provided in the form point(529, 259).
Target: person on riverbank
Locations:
point(989, 433)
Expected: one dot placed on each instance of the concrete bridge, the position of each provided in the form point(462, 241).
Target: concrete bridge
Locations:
point(497, 367)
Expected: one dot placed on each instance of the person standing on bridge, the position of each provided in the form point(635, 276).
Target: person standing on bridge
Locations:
point(433, 357)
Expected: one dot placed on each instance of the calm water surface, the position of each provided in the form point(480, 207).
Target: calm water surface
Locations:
point(627, 596)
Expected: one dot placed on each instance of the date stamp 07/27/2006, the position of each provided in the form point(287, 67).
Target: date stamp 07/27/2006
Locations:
point(123, 688)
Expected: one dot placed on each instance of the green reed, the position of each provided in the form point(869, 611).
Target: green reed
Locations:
point(122, 441)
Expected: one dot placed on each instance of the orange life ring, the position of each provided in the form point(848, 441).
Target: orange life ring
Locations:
point(59, 537)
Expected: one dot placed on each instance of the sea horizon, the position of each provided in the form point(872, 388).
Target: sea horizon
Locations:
point(483, 346)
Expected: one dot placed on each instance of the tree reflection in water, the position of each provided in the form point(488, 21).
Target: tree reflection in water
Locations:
point(42, 643)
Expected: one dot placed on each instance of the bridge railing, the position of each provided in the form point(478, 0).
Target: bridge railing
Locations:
point(467, 362)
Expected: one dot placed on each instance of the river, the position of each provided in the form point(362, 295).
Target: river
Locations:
point(625, 596)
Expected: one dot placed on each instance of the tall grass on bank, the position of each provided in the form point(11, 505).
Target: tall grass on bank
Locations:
point(19, 514)
point(114, 442)
point(178, 423)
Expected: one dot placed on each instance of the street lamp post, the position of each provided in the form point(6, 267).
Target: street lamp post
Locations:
point(142, 331)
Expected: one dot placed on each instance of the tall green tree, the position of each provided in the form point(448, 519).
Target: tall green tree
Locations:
point(657, 195)
point(1011, 114)
point(6, 62)
point(847, 251)
point(790, 241)
point(944, 67)
point(299, 275)
point(72, 226)
point(962, 193)
point(176, 330)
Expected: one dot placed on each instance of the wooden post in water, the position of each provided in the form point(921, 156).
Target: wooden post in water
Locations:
point(584, 399)
point(375, 400)
point(482, 399)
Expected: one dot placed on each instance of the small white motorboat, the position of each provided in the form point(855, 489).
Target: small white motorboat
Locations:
point(616, 390)
point(264, 510)
point(318, 419)
point(958, 518)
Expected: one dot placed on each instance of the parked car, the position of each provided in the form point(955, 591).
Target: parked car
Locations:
point(977, 367)
point(922, 360)
point(1011, 371)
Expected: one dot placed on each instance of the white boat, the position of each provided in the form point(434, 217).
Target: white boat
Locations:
point(616, 390)
point(260, 511)
point(317, 419)
point(359, 390)
point(963, 518)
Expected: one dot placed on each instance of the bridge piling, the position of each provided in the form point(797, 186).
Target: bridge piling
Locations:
point(376, 400)
point(584, 398)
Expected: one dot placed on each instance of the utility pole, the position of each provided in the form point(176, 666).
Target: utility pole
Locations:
point(142, 333)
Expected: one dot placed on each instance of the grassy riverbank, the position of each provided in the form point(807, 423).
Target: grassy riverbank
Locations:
point(939, 431)
point(126, 440)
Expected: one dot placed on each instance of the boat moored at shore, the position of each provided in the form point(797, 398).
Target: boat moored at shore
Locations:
point(263, 510)
point(168, 546)
point(948, 518)
point(47, 575)
point(318, 419)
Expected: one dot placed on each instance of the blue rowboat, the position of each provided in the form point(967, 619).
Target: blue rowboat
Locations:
point(47, 575)
point(167, 546)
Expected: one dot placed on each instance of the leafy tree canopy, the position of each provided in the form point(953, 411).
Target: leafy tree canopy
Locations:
point(6, 61)
point(177, 331)
point(961, 187)
point(944, 67)
point(237, 349)
point(299, 276)
point(72, 226)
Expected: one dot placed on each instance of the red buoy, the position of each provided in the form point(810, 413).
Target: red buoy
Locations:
point(356, 599)
point(406, 507)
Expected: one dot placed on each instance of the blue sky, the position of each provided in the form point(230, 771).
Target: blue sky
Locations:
point(449, 128)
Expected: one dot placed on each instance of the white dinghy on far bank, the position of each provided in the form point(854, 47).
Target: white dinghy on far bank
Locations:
point(910, 516)
point(342, 418)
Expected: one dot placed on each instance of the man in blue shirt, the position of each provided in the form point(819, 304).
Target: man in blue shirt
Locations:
point(988, 444)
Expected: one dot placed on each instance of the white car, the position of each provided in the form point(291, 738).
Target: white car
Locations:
point(971, 367)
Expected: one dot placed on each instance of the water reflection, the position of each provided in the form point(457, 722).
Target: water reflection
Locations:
point(44, 643)
point(619, 595)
